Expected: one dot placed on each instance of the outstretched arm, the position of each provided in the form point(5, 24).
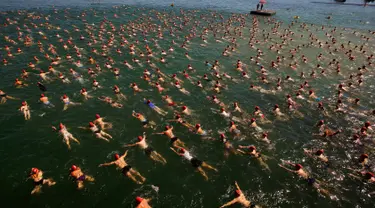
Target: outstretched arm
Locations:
point(175, 151)
point(230, 203)
point(124, 155)
point(106, 164)
point(237, 186)
point(130, 145)
point(290, 170)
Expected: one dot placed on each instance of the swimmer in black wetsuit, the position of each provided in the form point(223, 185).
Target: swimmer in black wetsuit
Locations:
point(148, 150)
point(125, 168)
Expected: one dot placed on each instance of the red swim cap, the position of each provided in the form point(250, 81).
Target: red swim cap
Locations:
point(73, 168)
point(138, 199)
point(197, 126)
point(257, 108)
point(184, 107)
point(65, 96)
point(117, 156)
point(222, 136)
point(252, 120)
point(238, 192)
point(23, 103)
point(91, 124)
point(97, 116)
point(298, 166)
point(140, 138)
point(182, 150)
point(61, 126)
point(34, 170)
point(167, 127)
point(42, 95)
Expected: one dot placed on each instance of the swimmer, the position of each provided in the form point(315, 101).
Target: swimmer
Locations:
point(126, 169)
point(175, 141)
point(25, 109)
point(67, 102)
point(305, 175)
point(236, 107)
point(100, 134)
point(37, 176)
point(67, 136)
point(79, 176)
point(142, 202)
point(4, 97)
point(85, 94)
point(110, 101)
point(319, 154)
point(135, 88)
point(278, 113)
point(45, 100)
point(18, 83)
point(241, 199)
point(154, 107)
point(255, 126)
point(142, 118)
point(99, 121)
point(118, 94)
point(364, 161)
point(228, 147)
point(253, 152)
point(179, 120)
point(196, 163)
point(148, 150)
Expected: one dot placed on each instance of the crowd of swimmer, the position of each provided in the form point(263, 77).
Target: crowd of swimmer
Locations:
point(137, 42)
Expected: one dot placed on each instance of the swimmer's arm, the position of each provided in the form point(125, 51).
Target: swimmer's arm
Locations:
point(241, 151)
point(160, 133)
point(124, 155)
point(243, 147)
point(237, 186)
point(175, 151)
point(131, 145)
point(290, 170)
point(230, 203)
point(106, 164)
point(81, 127)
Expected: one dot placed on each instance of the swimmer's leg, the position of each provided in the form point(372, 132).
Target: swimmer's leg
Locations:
point(138, 174)
point(37, 189)
point(99, 136)
point(90, 178)
point(3, 100)
point(132, 177)
point(201, 171)
point(65, 107)
point(178, 143)
point(28, 115)
point(49, 182)
point(105, 134)
point(74, 139)
point(67, 142)
point(79, 184)
point(204, 164)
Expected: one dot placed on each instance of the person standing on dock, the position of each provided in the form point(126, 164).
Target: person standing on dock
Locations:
point(262, 2)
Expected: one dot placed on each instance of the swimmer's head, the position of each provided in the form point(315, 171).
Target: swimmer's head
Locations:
point(252, 120)
point(65, 96)
point(140, 138)
point(252, 148)
point(61, 125)
point(34, 170)
point(321, 122)
point(265, 134)
point(298, 166)
point(182, 150)
point(257, 108)
point(97, 116)
point(148, 101)
point(369, 175)
point(167, 127)
point(117, 156)
point(238, 192)
point(91, 124)
point(73, 168)
point(319, 152)
point(138, 199)
point(197, 126)
point(23, 103)
point(367, 123)
point(42, 95)
point(184, 107)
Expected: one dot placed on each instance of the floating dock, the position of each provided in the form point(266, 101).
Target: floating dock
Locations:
point(263, 12)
